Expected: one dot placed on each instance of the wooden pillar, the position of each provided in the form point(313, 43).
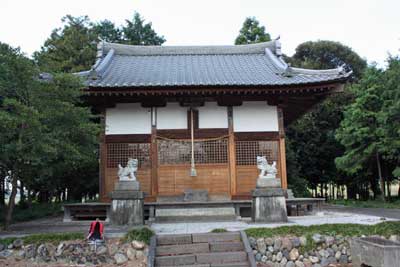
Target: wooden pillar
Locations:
point(102, 159)
point(154, 154)
point(282, 149)
point(232, 153)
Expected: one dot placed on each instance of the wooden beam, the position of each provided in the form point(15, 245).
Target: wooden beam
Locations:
point(232, 153)
point(154, 154)
point(282, 149)
point(102, 159)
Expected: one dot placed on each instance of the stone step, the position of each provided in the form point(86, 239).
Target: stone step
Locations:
point(195, 214)
point(170, 250)
point(222, 257)
point(216, 237)
point(174, 239)
point(226, 246)
point(231, 264)
point(175, 260)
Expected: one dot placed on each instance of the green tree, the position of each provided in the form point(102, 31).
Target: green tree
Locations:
point(71, 48)
point(107, 31)
point(252, 32)
point(137, 32)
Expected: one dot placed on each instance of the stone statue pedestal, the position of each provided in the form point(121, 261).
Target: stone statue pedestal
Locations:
point(127, 204)
point(269, 203)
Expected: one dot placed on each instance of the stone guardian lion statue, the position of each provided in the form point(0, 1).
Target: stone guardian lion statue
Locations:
point(128, 173)
point(266, 170)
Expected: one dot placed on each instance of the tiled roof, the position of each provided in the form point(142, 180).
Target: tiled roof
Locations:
point(242, 65)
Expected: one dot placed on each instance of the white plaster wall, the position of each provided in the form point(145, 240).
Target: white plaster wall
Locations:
point(173, 116)
point(255, 116)
point(128, 118)
point(213, 116)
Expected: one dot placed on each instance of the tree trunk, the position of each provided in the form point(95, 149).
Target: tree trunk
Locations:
point(3, 190)
point(21, 192)
point(381, 179)
point(11, 202)
point(29, 198)
point(389, 194)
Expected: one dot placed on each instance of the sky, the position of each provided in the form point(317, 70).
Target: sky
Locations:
point(370, 27)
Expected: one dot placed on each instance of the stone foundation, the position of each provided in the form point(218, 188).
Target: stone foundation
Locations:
point(269, 205)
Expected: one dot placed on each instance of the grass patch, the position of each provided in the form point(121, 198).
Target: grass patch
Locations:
point(219, 230)
point(44, 238)
point(384, 229)
point(37, 211)
point(390, 204)
point(142, 234)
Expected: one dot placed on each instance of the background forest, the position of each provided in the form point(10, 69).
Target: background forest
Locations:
point(347, 146)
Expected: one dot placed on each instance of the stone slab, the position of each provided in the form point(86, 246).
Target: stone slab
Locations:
point(215, 237)
point(127, 212)
point(195, 195)
point(195, 212)
point(221, 257)
point(175, 260)
point(174, 239)
point(127, 185)
point(268, 192)
point(125, 194)
point(226, 246)
point(268, 183)
point(170, 250)
point(232, 264)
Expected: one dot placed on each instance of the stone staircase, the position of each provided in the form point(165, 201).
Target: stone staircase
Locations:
point(203, 250)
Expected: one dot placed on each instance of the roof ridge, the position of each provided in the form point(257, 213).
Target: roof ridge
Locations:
point(153, 50)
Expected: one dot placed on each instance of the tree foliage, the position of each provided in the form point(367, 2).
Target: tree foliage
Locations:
point(252, 32)
point(72, 48)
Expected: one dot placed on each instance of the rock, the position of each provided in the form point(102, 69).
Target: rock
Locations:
point(317, 265)
point(274, 258)
point(4, 254)
point(20, 254)
point(301, 257)
point(101, 250)
point(120, 258)
point(329, 240)
point(261, 246)
point(290, 264)
point(2, 247)
point(344, 259)
point(344, 251)
point(330, 251)
point(296, 242)
point(60, 249)
point(138, 245)
point(42, 252)
point(283, 261)
point(285, 253)
point(112, 249)
point(303, 241)
point(258, 256)
point(252, 242)
point(325, 262)
point(269, 241)
point(307, 263)
point(318, 239)
point(337, 255)
point(264, 259)
point(279, 256)
point(323, 253)
point(18, 243)
point(286, 244)
point(131, 253)
point(139, 254)
point(294, 254)
point(271, 249)
point(334, 247)
point(277, 244)
point(299, 264)
point(269, 255)
point(313, 259)
point(30, 251)
point(10, 246)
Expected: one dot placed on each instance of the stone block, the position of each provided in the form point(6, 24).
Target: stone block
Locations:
point(127, 212)
point(226, 246)
point(170, 250)
point(126, 194)
point(174, 239)
point(127, 185)
point(215, 237)
point(175, 260)
point(269, 205)
point(375, 251)
point(268, 183)
point(195, 195)
point(221, 257)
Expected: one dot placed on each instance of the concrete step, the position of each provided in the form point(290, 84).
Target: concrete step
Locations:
point(226, 246)
point(216, 237)
point(232, 264)
point(170, 250)
point(174, 239)
point(222, 257)
point(175, 260)
point(195, 214)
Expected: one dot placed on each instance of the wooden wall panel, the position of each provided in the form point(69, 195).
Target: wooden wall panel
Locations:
point(143, 176)
point(174, 179)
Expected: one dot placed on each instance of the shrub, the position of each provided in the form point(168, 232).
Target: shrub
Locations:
point(140, 234)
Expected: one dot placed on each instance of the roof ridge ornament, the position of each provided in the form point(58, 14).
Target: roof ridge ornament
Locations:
point(278, 46)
